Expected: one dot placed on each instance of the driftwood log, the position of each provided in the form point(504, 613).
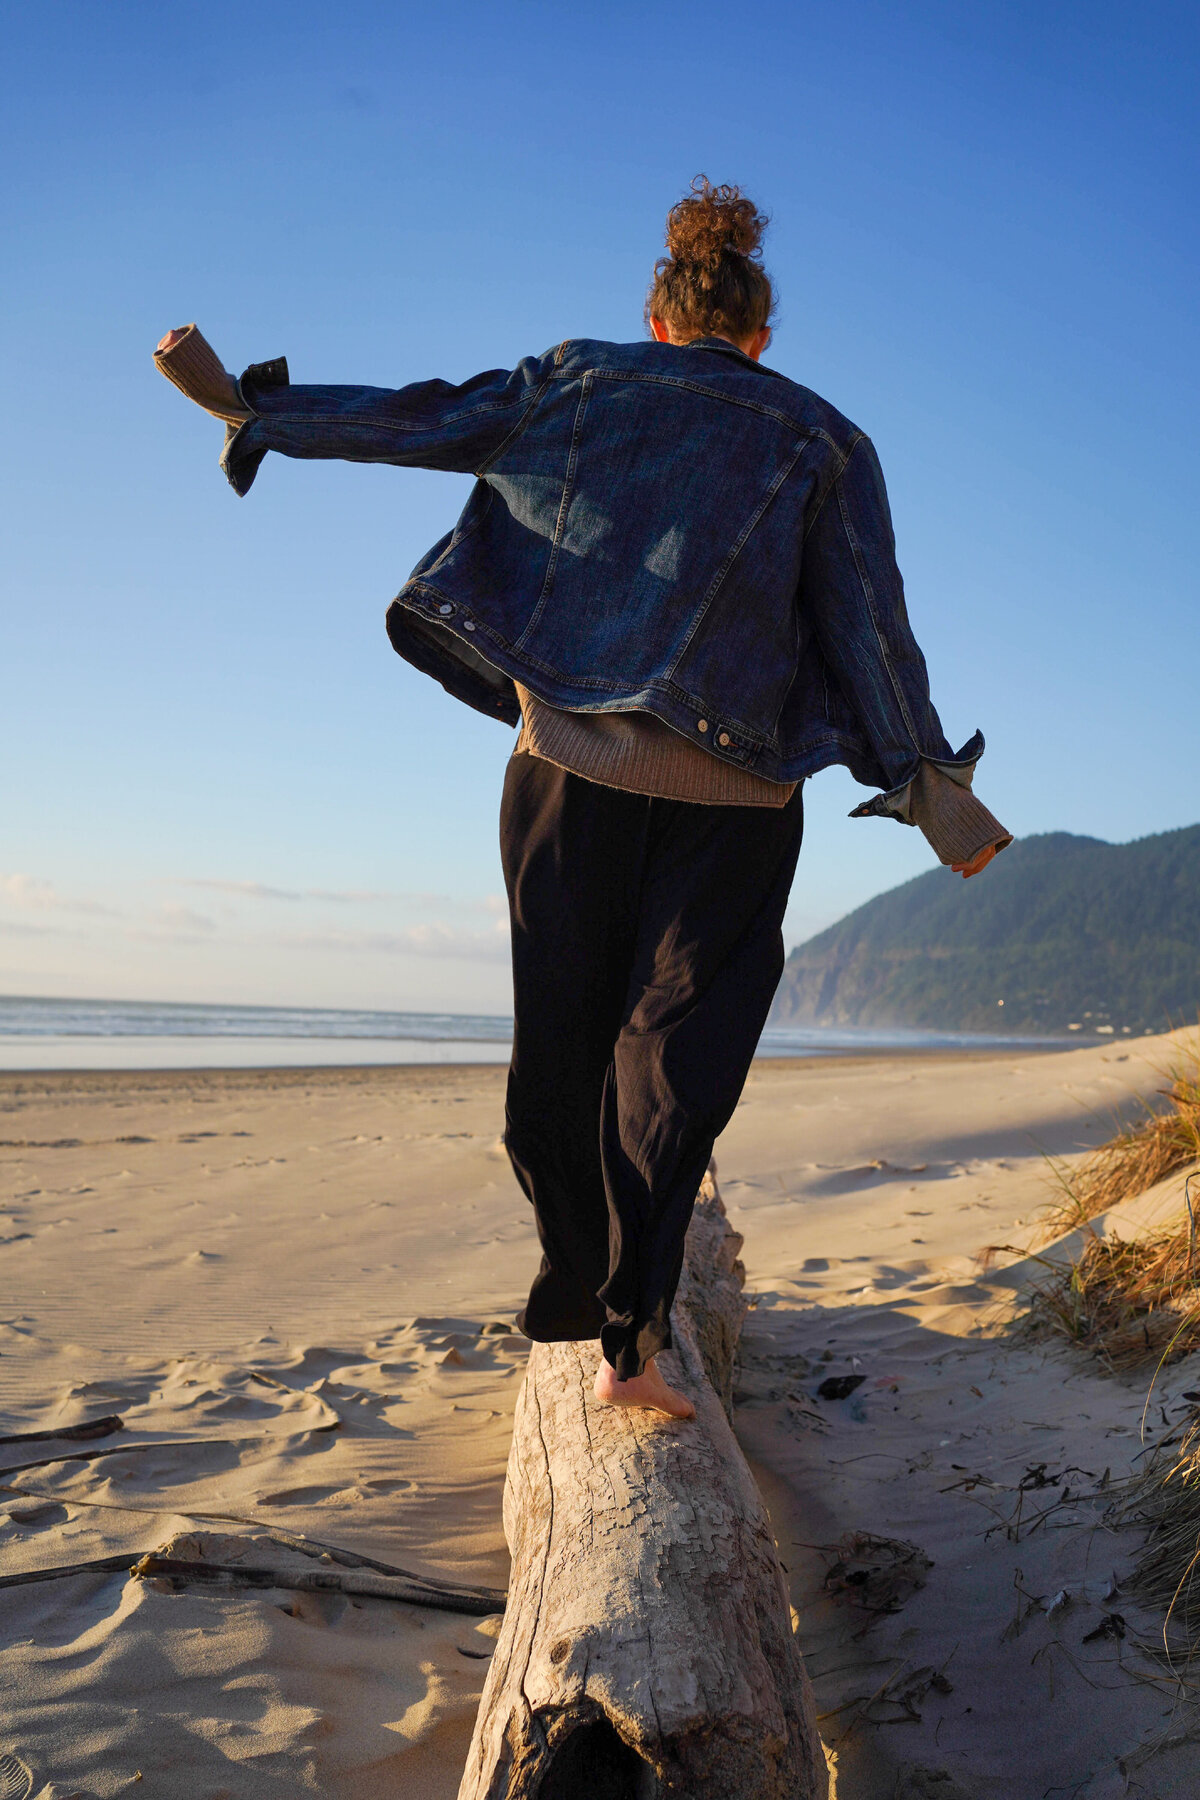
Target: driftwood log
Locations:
point(647, 1648)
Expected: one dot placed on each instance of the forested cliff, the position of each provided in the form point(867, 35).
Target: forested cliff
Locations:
point(1063, 930)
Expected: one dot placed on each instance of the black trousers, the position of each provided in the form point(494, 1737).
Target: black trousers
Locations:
point(647, 945)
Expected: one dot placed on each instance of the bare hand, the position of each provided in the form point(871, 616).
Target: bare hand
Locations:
point(172, 338)
point(967, 869)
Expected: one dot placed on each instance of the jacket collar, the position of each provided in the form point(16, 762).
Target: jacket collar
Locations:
point(724, 348)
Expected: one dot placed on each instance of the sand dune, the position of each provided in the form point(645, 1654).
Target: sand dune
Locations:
point(297, 1287)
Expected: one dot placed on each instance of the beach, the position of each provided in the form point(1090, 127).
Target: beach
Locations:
point(298, 1286)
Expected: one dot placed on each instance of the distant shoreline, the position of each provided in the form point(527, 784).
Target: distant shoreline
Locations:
point(12, 1070)
point(46, 1034)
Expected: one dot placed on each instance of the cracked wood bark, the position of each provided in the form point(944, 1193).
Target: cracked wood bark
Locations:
point(647, 1648)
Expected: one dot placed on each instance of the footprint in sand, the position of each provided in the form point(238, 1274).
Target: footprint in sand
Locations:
point(297, 1496)
point(39, 1514)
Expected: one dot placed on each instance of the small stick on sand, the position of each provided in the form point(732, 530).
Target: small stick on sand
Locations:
point(47, 1462)
point(479, 1601)
point(91, 1428)
point(100, 1565)
point(148, 1565)
point(287, 1540)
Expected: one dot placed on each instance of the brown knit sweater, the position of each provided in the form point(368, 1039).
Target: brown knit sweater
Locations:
point(639, 753)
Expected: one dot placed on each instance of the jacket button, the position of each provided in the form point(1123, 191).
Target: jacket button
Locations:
point(724, 738)
point(446, 610)
point(701, 724)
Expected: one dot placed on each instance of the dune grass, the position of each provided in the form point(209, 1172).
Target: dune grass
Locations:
point(1129, 1302)
point(1138, 1156)
point(1134, 1303)
point(1165, 1502)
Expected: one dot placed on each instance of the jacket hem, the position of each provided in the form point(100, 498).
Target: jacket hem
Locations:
point(473, 665)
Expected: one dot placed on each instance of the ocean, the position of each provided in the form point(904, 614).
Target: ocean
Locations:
point(144, 1034)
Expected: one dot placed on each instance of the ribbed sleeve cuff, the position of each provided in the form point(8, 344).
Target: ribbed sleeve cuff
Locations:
point(955, 823)
point(197, 371)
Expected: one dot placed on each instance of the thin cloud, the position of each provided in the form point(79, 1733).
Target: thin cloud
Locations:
point(42, 896)
point(417, 940)
point(180, 921)
point(245, 890)
point(493, 904)
point(261, 890)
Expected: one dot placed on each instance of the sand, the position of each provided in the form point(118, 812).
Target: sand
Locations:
point(298, 1286)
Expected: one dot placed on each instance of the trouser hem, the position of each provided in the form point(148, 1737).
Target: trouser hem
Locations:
point(629, 1349)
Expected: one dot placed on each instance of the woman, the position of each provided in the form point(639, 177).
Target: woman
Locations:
point(676, 569)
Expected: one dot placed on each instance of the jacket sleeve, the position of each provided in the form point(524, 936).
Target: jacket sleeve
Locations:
point(429, 425)
point(852, 598)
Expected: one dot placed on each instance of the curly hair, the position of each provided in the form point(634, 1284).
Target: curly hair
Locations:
point(712, 281)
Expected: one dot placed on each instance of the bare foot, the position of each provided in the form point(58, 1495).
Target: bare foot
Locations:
point(647, 1389)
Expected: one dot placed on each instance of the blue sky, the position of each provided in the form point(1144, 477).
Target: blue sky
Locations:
point(221, 782)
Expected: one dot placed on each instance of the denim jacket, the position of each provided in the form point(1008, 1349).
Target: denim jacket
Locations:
point(659, 528)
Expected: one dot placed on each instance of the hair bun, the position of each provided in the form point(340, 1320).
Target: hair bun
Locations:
point(712, 222)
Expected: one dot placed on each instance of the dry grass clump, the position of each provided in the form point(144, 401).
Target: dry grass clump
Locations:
point(1130, 1301)
point(1167, 1573)
point(1126, 1302)
point(1139, 1156)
